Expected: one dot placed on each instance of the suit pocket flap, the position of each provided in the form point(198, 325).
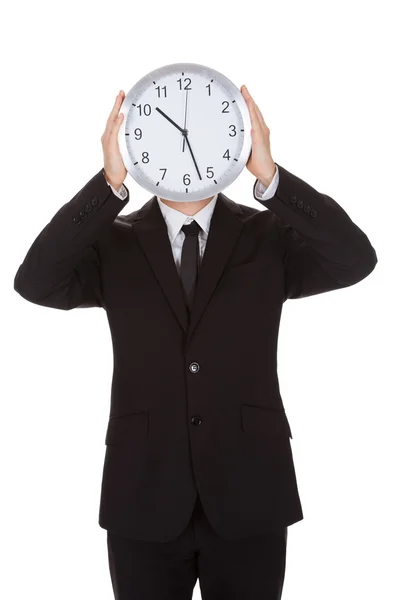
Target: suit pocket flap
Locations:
point(127, 428)
point(269, 421)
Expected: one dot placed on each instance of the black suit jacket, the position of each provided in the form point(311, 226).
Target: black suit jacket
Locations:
point(237, 455)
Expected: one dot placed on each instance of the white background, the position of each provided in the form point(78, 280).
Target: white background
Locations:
point(325, 76)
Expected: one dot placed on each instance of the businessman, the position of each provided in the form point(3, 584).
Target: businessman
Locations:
point(199, 480)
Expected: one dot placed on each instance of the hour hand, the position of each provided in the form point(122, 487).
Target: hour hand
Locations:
point(183, 131)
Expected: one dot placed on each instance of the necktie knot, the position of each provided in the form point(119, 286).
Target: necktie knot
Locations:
point(192, 229)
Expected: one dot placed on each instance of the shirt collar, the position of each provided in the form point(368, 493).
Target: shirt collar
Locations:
point(175, 218)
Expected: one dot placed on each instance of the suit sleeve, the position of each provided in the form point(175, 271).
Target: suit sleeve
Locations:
point(324, 249)
point(62, 267)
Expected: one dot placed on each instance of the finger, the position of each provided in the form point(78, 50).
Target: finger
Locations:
point(111, 119)
point(116, 126)
point(112, 139)
point(258, 113)
point(115, 109)
point(255, 119)
point(260, 117)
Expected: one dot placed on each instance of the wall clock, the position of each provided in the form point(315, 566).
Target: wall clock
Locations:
point(186, 132)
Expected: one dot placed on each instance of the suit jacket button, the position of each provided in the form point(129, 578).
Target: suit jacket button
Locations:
point(94, 201)
point(313, 213)
point(76, 221)
point(195, 420)
point(293, 199)
point(307, 209)
point(194, 367)
point(300, 203)
point(83, 214)
point(88, 207)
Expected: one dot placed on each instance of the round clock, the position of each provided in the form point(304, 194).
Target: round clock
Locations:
point(186, 132)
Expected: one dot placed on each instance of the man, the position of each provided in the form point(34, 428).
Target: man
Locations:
point(198, 480)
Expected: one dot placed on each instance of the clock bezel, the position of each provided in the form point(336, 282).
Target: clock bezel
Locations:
point(236, 95)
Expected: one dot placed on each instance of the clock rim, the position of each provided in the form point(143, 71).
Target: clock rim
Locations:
point(246, 147)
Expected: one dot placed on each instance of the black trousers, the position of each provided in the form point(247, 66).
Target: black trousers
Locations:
point(252, 568)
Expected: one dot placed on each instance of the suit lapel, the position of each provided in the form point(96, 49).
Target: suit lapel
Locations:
point(152, 234)
point(225, 228)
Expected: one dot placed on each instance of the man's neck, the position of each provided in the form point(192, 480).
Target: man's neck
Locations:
point(188, 208)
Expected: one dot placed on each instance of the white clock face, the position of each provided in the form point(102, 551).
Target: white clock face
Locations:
point(186, 132)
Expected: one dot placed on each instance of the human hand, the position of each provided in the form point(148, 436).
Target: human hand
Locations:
point(260, 162)
point(114, 167)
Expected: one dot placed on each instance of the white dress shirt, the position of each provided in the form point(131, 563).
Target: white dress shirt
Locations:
point(175, 218)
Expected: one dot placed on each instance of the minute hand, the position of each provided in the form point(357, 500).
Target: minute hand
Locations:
point(191, 152)
point(184, 132)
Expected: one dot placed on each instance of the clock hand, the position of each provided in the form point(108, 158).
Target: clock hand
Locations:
point(186, 103)
point(191, 152)
point(184, 133)
point(170, 120)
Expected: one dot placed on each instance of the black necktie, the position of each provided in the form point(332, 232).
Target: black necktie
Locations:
point(190, 261)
